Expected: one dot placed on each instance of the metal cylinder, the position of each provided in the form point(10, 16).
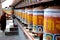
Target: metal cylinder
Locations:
point(52, 23)
point(38, 19)
point(26, 13)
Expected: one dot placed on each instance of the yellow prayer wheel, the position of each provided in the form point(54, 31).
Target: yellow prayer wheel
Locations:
point(23, 15)
point(20, 14)
point(26, 15)
point(30, 17)
point(52, 20)
point(38, 19)
point(52, 23)
point(15, 12)
point(30, 14)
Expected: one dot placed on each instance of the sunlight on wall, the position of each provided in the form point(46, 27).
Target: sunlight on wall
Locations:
point(7, 3)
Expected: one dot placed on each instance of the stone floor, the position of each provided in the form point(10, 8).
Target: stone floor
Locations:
point(21, 36)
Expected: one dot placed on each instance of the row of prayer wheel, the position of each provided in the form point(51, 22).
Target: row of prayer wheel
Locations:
point(42, 20)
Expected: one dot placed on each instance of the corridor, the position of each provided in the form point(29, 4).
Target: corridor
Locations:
point(21, 36)
point(30, 19)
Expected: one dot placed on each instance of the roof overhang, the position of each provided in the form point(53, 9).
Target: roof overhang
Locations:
point(15, 2)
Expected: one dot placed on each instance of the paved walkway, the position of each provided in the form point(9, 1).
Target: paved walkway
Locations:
point(21, 36)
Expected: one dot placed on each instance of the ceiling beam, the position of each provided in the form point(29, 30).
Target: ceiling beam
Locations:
point(17, 3)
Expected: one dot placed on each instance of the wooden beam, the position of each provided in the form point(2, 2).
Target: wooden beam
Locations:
point(17, 3)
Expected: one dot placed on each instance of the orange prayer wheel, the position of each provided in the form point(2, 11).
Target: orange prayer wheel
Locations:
point(52, 23)
point(30, 17)
point(38, 19)
point(23, 15)
point(52, 20)
point(20, 14)
point(27, 14)
point(15, 12)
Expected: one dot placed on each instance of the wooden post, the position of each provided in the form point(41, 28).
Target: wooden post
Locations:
point(0, 9)
point(41, 37)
